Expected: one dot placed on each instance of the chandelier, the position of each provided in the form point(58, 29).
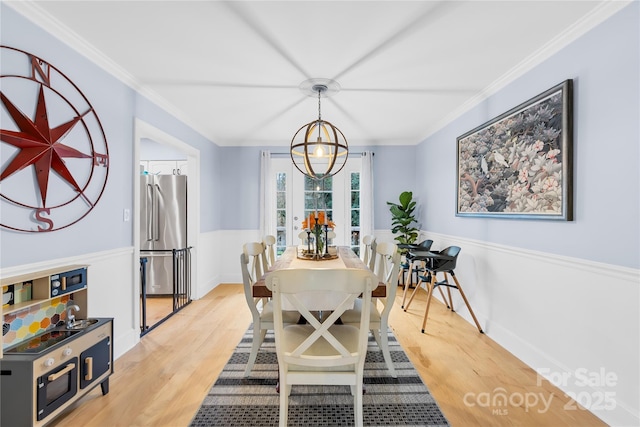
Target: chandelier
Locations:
point(318, 148)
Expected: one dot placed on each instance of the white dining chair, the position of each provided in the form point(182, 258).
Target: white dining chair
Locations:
point(387, 264)
point(369, 256)
point(321, 352)
point(269, 242)
point(261, 308)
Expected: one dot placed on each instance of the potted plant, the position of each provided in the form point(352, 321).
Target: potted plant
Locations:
point(403, 219)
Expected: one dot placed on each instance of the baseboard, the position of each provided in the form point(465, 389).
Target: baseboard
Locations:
point(125, 342)
point(551, 313)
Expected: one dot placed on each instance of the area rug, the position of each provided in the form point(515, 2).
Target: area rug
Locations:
point(237, 401)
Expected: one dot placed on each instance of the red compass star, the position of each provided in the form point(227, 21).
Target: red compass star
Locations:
point(40, 145)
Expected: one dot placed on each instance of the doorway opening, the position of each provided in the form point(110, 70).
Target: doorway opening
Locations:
point(165, 237)
point(155, 308)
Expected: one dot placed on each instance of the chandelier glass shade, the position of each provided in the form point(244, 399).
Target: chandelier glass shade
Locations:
point(318, 148)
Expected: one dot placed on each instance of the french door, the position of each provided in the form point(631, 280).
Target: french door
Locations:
point(298, 196)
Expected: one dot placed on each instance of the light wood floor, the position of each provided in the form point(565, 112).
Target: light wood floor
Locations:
point(158, 307)
point(162, 381)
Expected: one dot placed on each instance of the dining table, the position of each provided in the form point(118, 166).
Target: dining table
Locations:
point(346, 258)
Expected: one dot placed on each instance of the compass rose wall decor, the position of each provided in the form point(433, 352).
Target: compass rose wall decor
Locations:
point(54, 155)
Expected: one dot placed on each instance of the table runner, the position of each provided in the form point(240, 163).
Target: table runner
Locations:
point(318, 301)
point(307, 263)
point(348, 258)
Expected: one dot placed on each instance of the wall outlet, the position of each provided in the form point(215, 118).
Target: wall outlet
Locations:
point(126, 215)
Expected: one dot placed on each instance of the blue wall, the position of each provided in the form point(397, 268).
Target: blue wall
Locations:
point(240, 177)
point(239, 174)
point(103, 228)
point(116, 105)
point(210, 159)
point(395, 169)
point(604, 65)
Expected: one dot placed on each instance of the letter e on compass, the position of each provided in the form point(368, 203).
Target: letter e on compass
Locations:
point(55, 158)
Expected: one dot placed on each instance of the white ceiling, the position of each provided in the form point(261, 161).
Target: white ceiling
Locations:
point(233, 69)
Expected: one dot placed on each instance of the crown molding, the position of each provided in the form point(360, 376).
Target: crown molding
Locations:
point(41, 18)
point(598, 15)
point(30, 10)
point(38, 16)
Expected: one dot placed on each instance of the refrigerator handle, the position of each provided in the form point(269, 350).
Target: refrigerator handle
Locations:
point(156, 213)
point(149, 213)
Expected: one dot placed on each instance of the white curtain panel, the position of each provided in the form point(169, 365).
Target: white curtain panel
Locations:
point(266, 193)
point(366, 195)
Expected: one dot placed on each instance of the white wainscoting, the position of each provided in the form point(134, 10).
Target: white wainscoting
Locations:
point(110, 278)
point(562, 316)
point(226, 247)
point(567, 318)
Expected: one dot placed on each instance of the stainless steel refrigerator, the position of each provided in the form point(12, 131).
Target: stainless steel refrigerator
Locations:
point(163, 227)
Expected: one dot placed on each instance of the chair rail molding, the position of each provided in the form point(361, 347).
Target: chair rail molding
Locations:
point(549, 311)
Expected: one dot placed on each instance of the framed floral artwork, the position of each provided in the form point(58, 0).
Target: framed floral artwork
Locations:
point(519, 165)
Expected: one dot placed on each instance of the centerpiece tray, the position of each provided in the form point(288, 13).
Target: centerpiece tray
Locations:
point(313, 256)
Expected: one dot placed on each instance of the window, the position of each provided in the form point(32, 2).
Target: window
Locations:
point(281, 213)
point(355, 212)
point(297, 196)
point(318, 196)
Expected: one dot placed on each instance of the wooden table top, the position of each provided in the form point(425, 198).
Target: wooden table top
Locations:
point(346, 255)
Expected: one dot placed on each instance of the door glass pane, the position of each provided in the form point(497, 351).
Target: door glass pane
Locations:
point(309, 201)
point(281, 182)
point(281, 242)
point(281, 213)
point(309, 184)
point(297, 196)
point(355, 199)
point(355, 212)
point(318, 196)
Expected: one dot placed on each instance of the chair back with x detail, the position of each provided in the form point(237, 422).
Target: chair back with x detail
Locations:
point(369, 256)
point(321, 352)
point(269, 242)
point(257, 257)
point(387, 264)
point(261, 309)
